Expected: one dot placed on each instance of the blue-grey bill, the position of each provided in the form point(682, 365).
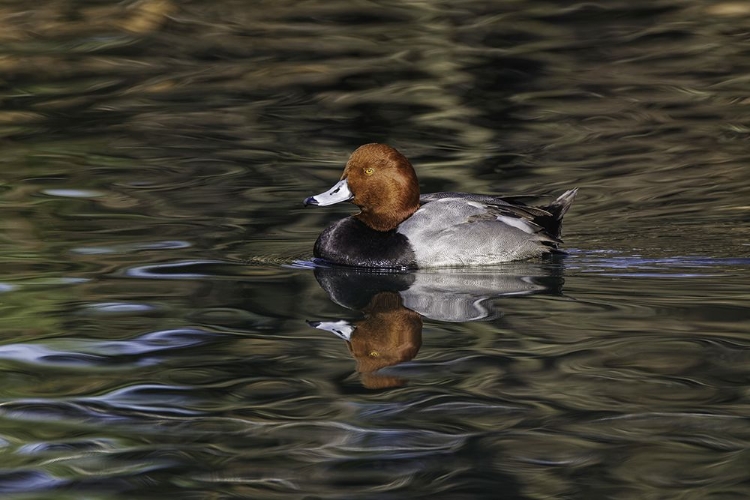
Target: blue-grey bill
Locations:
point(338, 193)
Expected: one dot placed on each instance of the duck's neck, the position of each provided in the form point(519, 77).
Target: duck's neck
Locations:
point(385, 218)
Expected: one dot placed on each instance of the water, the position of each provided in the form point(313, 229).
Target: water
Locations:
point(156, 285)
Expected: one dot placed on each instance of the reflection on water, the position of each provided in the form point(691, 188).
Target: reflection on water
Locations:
point(153, 304)
point(388, 335)
point(455, 295)
point(393, 304)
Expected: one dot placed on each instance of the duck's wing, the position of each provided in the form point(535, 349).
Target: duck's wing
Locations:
point(501, 205)
point(482, 198)
point(545, 221)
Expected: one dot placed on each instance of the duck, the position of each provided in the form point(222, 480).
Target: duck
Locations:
point(399, 228)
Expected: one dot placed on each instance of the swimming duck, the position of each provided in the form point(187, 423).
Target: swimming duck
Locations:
point(398, 228)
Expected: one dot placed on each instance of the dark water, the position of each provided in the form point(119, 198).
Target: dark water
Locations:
point(156, 284)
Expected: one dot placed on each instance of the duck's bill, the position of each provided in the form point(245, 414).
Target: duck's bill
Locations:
point(342, 329)
point(338, 193)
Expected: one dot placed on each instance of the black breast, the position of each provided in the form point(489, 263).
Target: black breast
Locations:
point(352, 243)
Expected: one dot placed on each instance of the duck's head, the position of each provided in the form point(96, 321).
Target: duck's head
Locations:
point(381, 182)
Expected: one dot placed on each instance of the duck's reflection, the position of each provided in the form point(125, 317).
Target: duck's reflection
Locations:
point(394, 304)
point(388, 335)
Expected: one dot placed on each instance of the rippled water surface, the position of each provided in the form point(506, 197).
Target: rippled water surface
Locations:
point(165, 334)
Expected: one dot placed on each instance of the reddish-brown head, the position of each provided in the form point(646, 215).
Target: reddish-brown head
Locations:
point(383, 184)
point(388, 335)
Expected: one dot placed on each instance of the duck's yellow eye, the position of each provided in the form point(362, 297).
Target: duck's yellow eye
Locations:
point(369, 171)
point(374, 354)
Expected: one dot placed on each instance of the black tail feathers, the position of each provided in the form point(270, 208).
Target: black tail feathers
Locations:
point(553, 223)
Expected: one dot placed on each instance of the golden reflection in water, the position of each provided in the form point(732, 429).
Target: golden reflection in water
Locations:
point(389, 334)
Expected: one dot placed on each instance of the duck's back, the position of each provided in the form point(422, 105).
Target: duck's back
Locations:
point(461, 229)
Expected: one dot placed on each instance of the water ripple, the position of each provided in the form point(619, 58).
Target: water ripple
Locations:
point(156, 259)
point(73, 352)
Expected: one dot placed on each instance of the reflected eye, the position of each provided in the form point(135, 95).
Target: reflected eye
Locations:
point(369, 171)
